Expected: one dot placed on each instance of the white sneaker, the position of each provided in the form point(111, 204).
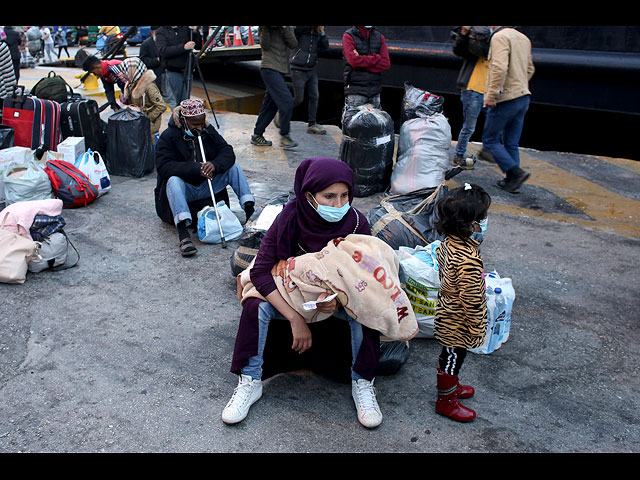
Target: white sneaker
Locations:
point(364, 396)
point(245, 394)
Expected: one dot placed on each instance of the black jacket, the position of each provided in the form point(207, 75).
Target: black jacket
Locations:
point(360, 81)
point(470, 47)
point(179, 155)
point(170, 43)
point(149, 56)
point(310, 42)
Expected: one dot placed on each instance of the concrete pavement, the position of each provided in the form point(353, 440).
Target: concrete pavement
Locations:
point(129, 351)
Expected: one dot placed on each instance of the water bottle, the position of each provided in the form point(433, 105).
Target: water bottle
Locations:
point(498, 319)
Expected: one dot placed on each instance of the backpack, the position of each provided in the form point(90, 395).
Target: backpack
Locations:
point(52, 88)
point(70, 185)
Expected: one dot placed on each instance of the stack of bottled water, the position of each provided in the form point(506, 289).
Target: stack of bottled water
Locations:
point(500, 297)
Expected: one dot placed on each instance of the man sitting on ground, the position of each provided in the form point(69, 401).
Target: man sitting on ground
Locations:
point(182, 175)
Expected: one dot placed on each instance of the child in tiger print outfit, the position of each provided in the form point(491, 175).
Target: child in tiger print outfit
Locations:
point(461, 315)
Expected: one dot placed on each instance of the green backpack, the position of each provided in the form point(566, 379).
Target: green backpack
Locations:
point(52, 88)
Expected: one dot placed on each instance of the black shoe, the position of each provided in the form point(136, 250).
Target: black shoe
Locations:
point(248, 210)
point(512, 184)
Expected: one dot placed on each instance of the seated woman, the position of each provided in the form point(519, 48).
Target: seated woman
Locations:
point(142, 93)
point(320, 212)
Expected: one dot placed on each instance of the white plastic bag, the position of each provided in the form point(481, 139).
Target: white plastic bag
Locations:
point(498, 316)
point(25, 181)
point(419, 277)
point(208, 229)
point(92, 165)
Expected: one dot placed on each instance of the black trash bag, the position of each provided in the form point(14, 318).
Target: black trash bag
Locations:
point(7, 136)
point(407, 220)
point(418, 103)
point(368, 143)
point(393, 354)
point(129, 147)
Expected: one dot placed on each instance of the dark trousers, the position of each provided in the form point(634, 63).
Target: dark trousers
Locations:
point(277, 98)
point(451, 359)
point(306, 80)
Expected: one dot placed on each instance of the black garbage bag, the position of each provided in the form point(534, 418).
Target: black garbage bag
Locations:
point(129, 147)
point(368, 143)
point(409, 219)
point(7, 136)
point(419, 103)
point(393, 354)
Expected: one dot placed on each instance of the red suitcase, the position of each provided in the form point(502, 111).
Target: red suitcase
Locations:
point(35, 121)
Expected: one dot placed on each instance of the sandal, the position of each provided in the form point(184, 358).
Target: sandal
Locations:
point(187, 248)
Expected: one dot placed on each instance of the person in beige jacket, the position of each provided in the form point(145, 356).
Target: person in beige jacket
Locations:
point(507, 97)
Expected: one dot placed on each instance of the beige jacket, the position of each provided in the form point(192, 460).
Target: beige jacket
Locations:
point(510, 66)
point(146, 96)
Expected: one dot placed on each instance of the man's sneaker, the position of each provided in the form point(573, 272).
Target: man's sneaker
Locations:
point(245, 394)
point(260, 140)
point(317, 129)
point(364, 396)
point(466, 163)
point(286, 142)
point(512, 184)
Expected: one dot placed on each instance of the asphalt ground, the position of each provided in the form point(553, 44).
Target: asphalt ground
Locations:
point(130, 350)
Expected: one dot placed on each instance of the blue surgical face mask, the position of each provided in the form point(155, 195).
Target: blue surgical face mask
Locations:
point(478, 236)
point(331, 214)
point(370, 26)
point(189, 132)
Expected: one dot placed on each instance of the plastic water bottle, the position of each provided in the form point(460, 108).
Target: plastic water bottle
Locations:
point(498, 322)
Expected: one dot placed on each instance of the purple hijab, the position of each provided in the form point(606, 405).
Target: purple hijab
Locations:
point(299, 221)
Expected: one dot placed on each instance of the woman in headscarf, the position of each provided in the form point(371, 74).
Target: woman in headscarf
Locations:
point(141, 92)
point(320, 212)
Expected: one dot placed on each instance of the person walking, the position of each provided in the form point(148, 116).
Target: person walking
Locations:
point(275, 43)
point(304, 74)
point(507, 97)
point(60, 41)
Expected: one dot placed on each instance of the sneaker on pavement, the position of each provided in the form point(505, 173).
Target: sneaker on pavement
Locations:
point(317, 129)
point(364, 396)
point(287, 142)
point(260, 140)
point(245, 394)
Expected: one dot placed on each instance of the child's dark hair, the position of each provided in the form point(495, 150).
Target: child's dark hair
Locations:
point(459, 208)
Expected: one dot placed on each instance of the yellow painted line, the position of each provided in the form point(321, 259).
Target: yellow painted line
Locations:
point(612, 213)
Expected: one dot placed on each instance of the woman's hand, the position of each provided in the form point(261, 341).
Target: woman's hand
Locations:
point(301, 334)
point(327, 307)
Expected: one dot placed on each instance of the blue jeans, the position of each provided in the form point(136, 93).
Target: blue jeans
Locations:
point(277, 98)
point(505, 121)
point(267, 312)
point(180, 193)
point(472, 106)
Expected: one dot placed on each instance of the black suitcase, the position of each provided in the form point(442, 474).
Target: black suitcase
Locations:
point(80, 118)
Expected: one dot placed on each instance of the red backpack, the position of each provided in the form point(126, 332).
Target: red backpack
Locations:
point(70, 185)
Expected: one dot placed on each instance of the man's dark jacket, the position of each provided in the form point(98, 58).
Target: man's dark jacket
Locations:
point(149, 55)
point(305, 56)
point(360, 81)
point(179, 155)
point(170, 43)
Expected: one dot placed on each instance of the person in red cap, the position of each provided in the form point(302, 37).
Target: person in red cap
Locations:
point(182, 179)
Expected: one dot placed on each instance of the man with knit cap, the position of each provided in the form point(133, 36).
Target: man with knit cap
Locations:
point(183, 176)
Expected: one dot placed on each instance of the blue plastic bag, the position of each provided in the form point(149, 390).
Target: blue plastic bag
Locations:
point(208, 229)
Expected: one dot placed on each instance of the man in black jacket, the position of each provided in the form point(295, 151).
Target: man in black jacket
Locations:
point(304, 74)
point(149, 55)
point(13, 40)
point(175, 46)
point(183, 177)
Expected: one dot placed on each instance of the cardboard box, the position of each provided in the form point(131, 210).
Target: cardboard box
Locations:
point(71, 148)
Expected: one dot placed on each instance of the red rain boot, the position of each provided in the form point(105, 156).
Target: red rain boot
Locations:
point(447, 403)
point(465, 391)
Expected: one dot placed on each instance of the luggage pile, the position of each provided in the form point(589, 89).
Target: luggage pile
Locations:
point(50, 159)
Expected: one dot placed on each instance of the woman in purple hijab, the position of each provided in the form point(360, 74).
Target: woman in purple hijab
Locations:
point(320, 212)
